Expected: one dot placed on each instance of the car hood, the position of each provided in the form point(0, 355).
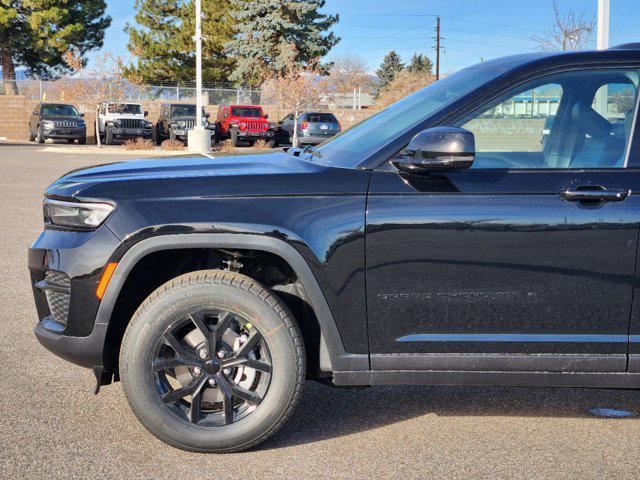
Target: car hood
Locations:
point(274, 173)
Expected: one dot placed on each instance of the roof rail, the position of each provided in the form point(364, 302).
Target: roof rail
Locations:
point(626, 46)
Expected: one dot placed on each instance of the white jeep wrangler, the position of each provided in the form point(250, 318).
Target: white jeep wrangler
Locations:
point(120, 121)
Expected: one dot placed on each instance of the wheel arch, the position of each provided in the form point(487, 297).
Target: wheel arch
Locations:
point(332, 355)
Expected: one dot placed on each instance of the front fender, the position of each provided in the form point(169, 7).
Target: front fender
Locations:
point(340, 359)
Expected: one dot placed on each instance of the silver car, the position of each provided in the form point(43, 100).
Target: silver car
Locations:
point(313, 128)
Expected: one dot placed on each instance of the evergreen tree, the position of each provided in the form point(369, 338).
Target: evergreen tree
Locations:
point(390, 66)
point(267, 29)
point(164, 47)
point(420, 64)
point(37, 33)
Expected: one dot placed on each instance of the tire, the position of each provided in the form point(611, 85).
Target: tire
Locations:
point(158, 136)
point(172, 136)
point(234, 138)
point(82, 140)
point(39, 136)
point(234, 296)
point(108, 137)
point(30, 136)
point(70, 140)
point(272, 143)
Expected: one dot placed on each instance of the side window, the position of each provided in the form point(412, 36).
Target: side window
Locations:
point(567, 120)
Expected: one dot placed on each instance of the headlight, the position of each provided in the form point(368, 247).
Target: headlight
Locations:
point(47, 124)
point(182, 124)
point(117, 123)
point(81, 125)
point(76, 215)
point(243, 125)
point(148, 124)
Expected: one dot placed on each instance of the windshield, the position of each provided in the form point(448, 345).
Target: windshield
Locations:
point(246, 112)
point(130, 108)
point(184, 111)
point(362, 140)
point(59, 110)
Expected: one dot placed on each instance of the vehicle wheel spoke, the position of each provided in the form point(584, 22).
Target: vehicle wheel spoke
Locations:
point(199, 323)
point(196, 404)
point(169, 363)
point(227, 398)
point(224, 320)
point(246, 347)
point(244, 394)
point(178, 347)
point(248, 362)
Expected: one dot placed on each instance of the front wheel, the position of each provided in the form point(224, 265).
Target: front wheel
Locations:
point(212, 362)
point(108, 137)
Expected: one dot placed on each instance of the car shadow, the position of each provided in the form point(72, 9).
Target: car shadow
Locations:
point(326, 412)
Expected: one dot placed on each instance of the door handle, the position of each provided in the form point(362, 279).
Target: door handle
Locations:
point(594, 194)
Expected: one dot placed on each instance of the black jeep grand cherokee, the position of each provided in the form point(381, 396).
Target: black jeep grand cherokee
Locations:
point(439, 242)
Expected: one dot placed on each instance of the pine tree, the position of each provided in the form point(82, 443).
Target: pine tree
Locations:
point(36, 34)
point(268, 28)
point(390, 66)
point(164, 47)
point(420, 64)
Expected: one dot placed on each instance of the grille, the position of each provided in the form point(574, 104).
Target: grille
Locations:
point(253, 126)
point(65, 123)
point(131, 123)
point(58, 301)
point(189, 124)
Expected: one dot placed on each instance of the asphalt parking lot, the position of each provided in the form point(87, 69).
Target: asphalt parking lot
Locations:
point(53, 427)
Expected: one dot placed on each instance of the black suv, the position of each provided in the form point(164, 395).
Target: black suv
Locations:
point(176, 119)
point(437, 242)
point(57, 121)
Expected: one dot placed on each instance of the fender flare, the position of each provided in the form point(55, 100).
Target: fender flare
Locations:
point(339, 359)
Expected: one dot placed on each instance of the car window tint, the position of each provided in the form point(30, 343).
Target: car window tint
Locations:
point(320, 118)
point(567, 120)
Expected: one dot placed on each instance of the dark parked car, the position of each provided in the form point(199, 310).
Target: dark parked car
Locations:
point(176, 119)
point(212, 287)
point(57, 121)
point(313, 128)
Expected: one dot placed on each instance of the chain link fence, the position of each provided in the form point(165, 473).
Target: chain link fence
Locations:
point(79, 89)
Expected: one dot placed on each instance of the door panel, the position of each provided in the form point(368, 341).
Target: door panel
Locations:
point(494, 261)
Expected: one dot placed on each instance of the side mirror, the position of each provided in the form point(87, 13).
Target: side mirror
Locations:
point(438, 149)
point(266, 115)
point(82, 115)
point(146, 114)
point(207, 115)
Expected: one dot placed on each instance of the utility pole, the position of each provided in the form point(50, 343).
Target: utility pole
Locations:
point(438, 48)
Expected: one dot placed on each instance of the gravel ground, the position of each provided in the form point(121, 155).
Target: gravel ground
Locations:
point(53, 427)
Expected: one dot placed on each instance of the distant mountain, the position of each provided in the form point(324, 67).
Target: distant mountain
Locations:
point(20, 74)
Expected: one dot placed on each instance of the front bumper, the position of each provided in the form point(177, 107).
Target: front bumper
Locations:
point(256, 135)
point(80, 256)
point(65, 133)
point(123, 133)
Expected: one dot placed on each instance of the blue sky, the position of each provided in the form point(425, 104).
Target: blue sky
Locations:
point(472, 29)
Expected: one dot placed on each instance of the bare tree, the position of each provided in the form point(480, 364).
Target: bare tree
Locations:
point(349, 72)
point(403, 84)
point(104, 81)
point(571, 31)
point(296, 90)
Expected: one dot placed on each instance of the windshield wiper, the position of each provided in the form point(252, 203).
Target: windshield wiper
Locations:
point(311, 150)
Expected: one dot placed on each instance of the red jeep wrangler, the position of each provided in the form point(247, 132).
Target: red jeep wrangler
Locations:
point(244, 123)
